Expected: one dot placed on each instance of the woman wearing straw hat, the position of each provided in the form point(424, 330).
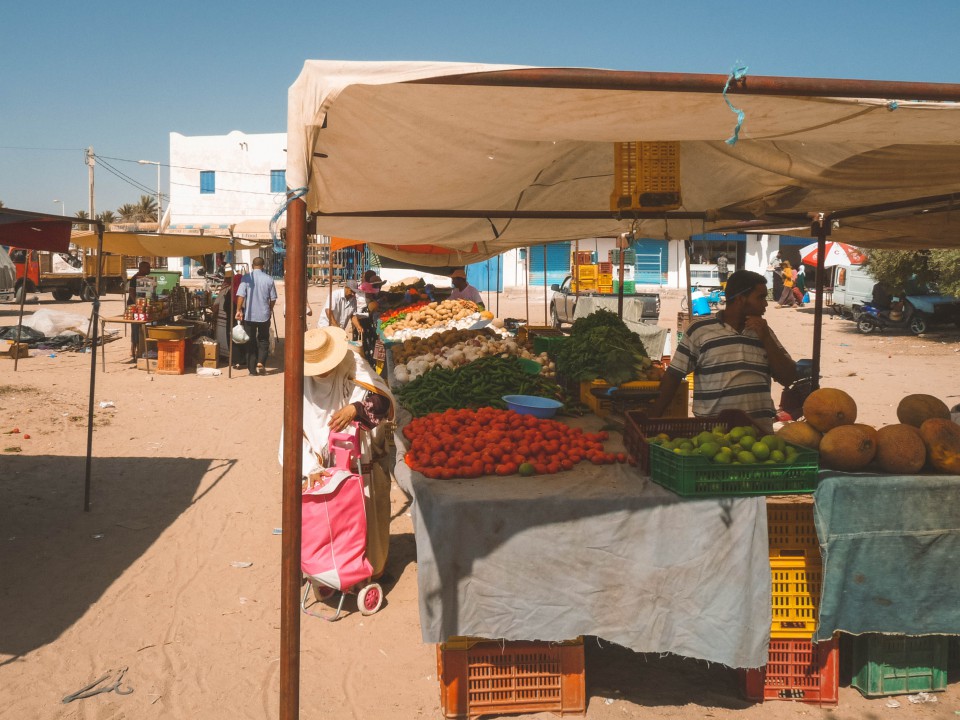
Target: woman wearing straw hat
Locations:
point(340, 388)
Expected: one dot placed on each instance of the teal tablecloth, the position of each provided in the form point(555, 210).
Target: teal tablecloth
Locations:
point(891, 554)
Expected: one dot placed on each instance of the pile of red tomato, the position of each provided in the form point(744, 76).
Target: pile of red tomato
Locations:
point(473, 443)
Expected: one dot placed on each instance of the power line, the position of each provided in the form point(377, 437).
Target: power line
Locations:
point(187, 167)
point(129, 180)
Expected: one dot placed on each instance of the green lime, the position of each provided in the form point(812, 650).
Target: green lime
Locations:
point(747, 441)
point(746, 457)
point(723, 458)
point(686, 445)
point(527, 469)
point(760, 450)
point(750, 430)
point(709, 449)
point(777, 456)
point(737, 433)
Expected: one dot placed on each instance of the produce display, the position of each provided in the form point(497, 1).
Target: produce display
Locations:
point(454, 348)
point(481, 383)
point(738, 446)
point(926, 437)
point(421, 319)
point(473, 443)
point(601, 346)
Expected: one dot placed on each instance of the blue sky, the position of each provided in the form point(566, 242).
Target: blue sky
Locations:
point(121, 76)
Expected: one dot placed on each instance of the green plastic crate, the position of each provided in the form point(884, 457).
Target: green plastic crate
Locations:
point(629, 286)
point(691, 475)
point(899, 664)
point(548, 344)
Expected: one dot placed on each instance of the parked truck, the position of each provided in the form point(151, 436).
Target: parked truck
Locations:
point(66, 275)
point(563, 304)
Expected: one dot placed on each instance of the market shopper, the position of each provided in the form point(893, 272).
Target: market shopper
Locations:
point(786, 295)
point(339, 389)
point(256, 296)
point(143, 270)
point(733, 356)
point(341, 309)
point(462, 290)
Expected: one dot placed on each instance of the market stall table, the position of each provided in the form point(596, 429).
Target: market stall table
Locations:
point(598, 550)
point(890, 547)
point(141, 343)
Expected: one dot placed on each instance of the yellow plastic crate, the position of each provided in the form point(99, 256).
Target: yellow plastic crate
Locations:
point(605, 289)
point(586, 272)
point(791, 529)
point(678, 407)
point(583, 286)
point(796, 597)
point(605, 279)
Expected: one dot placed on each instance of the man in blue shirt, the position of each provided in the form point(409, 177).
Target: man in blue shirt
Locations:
point(256, 297)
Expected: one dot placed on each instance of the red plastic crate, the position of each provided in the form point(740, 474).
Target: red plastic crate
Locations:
point(797, 670)
point(491, 677)
point(171, 357)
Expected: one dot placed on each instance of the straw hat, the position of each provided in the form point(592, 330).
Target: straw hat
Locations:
point(323, 349)
point(458, 274)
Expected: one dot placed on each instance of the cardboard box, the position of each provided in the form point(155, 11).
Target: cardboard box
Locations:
point(210, 363)
point(209, 350)
point(11, 350)
point(142, 364)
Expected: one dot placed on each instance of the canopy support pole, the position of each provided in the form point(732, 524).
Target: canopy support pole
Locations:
point(623, 251)
point(23, 298)
point(294, 323)
point(95, 331)
point(689, 291)
point(546, 290)
point(821, 228)
point(526, 284)
point(233, 300)
point(499, 276)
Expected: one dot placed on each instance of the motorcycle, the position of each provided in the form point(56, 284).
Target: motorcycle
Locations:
point(792, 397)
point(872, 318)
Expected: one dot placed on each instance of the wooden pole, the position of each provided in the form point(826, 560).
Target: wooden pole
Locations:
point(526, 285)
point(296, 301)
point(93, 368)
point(822, 230)
point(623, 252)
point(27, 256)
point(546, 290)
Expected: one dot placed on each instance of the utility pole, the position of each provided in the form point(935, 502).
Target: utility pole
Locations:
point(91, 160)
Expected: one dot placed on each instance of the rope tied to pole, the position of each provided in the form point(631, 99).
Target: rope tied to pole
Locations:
point(278, 246)
point(737, 75)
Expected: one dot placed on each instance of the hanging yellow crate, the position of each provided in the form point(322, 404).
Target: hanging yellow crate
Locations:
point(646, 176)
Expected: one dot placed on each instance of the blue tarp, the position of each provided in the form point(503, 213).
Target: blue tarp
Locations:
point(891, 552)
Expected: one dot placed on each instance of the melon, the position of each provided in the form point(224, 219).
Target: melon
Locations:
point(915, 409)
point(800, 433)
point(869, 430)
point(900, 449)
point(847, 447)
point(942, 438)
point(828, 408)
point(486, 315)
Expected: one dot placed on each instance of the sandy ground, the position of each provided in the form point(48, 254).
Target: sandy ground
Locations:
point(186, 483)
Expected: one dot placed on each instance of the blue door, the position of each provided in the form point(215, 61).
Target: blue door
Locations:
point(486, 275)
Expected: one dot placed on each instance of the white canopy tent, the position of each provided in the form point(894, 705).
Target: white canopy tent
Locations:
point(490, 157)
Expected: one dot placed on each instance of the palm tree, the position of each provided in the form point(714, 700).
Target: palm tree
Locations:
point(147, 208)
point(107, 217)
point(83, 215)
point(128, 213)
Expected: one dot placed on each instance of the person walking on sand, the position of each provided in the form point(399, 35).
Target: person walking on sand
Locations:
point(786, 295)
point(256, 297)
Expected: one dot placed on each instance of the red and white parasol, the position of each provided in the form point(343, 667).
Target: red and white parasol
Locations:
point(837, 253)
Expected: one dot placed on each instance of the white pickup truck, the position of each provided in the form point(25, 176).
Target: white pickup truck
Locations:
point(563, 304)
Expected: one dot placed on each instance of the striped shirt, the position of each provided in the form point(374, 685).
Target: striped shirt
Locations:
point(731, 370)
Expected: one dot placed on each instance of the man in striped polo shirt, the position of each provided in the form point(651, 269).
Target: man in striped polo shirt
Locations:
point(733, 356)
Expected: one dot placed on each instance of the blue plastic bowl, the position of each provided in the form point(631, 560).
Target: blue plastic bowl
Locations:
point(540, 407)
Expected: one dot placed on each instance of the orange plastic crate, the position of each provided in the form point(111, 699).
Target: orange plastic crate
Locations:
point(490, 677)
point(796, 670)
point(796, 597)
point(791, 529)
point(171, 357)
point(678, 407)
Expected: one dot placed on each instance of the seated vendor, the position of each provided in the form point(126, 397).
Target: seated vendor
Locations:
point(462, 290)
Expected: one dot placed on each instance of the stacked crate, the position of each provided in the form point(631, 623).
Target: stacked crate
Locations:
point(899, 664)
point(585, 278)
point(798, 668)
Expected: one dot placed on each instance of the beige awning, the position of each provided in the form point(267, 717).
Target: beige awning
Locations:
point(152, 245)
point(442, 154)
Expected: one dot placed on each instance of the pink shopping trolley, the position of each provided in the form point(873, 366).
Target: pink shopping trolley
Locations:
point(333, 545)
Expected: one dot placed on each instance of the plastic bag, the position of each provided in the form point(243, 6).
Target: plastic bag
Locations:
point(806, 297)
point(240, 334)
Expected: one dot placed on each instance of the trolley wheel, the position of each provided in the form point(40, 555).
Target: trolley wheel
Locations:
point(370, 599)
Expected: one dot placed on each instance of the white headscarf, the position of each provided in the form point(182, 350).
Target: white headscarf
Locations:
point(323, 396)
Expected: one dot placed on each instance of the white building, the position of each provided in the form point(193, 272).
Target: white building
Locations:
point(219, 181)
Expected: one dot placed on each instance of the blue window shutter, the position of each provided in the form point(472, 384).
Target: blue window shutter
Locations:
point(208, 182)
point(278, 181)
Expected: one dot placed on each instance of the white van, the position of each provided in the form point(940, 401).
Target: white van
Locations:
point(852, 287)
